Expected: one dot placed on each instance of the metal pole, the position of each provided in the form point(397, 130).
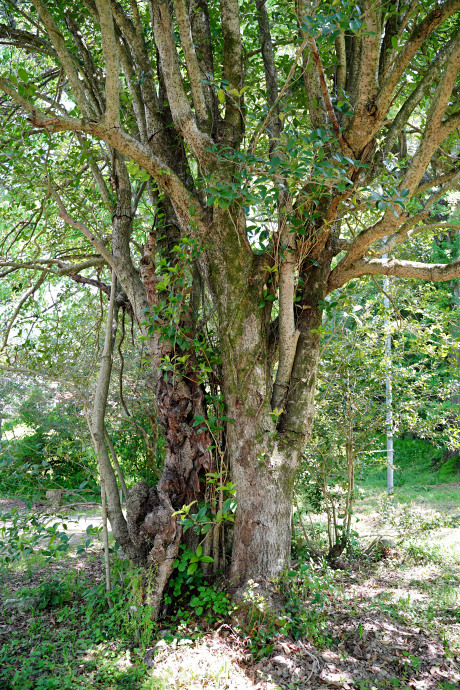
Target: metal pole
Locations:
point(389, 392)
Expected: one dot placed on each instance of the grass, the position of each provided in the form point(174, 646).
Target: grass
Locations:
point(417, 464)
point(70, 639)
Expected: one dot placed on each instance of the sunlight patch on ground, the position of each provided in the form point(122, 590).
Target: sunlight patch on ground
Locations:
point(210, 664)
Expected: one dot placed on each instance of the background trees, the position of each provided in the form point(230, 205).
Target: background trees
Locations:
point(274, 153)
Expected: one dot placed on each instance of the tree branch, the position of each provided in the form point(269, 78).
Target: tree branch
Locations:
point(345, 147)
point(398, 268)
point(112, 82)
point(167, 180)
point(201, 34)
point(419, 34)
point(409, 231)
point(435, 132)
point(133, 37)
point(288, 334)
point(366, 123)
point(415, 97)
point(367, 80)
point(25, 39)
point(81, 227)
point(90, 71)
point(232, 62)
point(63, 270)
point(191, 60)
point(341, 68)
point(65, 57)
point(98, 431)
point(432, 137)
point(424, 186)
point(181, 111)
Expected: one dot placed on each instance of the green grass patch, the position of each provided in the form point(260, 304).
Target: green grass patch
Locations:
point(417, 463)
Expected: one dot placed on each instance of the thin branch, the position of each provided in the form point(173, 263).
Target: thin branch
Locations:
point(327, 98)
point(424, 186)
point(25, 40)
point(22, 301)
point(191, 60)
point(78, 225)
point(64, 269)
point(112, 82)
point(409, 231)
point(116, 464)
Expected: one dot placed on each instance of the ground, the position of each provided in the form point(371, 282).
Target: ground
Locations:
point(387, 619)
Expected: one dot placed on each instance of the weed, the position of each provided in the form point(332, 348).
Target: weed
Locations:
point(189, 589)
point(303, 614)
point(55, 592)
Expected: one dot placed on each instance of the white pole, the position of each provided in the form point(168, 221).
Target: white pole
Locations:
point(389, 392)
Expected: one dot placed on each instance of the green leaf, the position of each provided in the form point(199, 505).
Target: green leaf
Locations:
point(192, 568)
point(221, 96)
point(22, 74)
point(223, 203)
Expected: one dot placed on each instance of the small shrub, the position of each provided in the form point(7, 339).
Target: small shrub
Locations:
point(305, 594)
point(55, 593)
point(189, 589)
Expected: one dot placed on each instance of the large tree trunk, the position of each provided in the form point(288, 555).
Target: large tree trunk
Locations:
point(264, 460)
point(262, 536)
point(264, 445)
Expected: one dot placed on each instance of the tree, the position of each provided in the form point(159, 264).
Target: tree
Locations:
point(267, 198)
point(351, 404)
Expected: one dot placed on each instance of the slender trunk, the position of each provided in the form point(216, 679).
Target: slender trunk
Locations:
point(105, 533)
point(97, 429)
point(116, 464)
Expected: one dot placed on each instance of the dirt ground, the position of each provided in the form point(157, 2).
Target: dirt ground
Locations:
point(392, 621)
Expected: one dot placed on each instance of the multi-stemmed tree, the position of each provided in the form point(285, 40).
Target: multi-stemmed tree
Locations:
point(289, 149)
